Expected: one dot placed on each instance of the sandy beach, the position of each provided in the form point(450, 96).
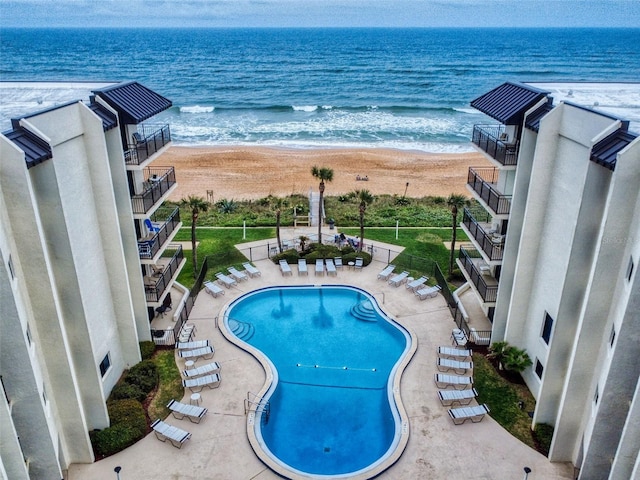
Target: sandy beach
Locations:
point(245, 172)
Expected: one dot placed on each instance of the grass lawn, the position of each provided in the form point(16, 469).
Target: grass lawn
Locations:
point(170, 384)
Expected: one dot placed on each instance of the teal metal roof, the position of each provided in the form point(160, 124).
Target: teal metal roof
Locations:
point(35, 149)
point(605, 152)
point(133, 102)
point(508, 102)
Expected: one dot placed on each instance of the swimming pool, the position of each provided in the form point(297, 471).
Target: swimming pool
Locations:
point(334, 361)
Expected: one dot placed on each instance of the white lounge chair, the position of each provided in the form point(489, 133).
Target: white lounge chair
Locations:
point(165, 432)
point(205, 352)
point(338, 263)
point(456, 381)
point(285, 269)
point(359, 263)
point(447, 364)
point(455, 353)
point(186, 332)
point(428, 292)
point(458, 337)
point(417, 283)
point(193, 412)
point(461, 397)
point(302, 267)
point(206, 369)
point(226, 280)
point(399, 279)
point(319, 266)
point(237, 274)
point(462, 414)
point(386, 272)
point(331, 268)
point(197, 384)
point(192, 345)
point(251, 270)
point(213, 289)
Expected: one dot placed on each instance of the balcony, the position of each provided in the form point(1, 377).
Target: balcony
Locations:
point(482, 181)
point(487, 286)
point(154, 287)
point(158, 182)
point(137, 153)
point(491, 139)
point(148, 247)
point(490, 243)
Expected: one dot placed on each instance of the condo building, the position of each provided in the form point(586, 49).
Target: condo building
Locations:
point(553, 264)
point(86, 265)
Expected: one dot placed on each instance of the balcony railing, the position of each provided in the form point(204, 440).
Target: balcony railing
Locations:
point(487, 137)
point(157, 183)
point(148, 248)
point(489, 244)
point(481, 180)
point(154, 291)
point(150, 144)
point(489, 293)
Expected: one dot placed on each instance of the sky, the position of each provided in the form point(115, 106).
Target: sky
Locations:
point(319, 13)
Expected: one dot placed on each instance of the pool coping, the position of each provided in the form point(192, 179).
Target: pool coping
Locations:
point(254, 441)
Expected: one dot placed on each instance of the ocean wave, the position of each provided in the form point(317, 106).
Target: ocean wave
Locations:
point(304, 108)
point(197, 109)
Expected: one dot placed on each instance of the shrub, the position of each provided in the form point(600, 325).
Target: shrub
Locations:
point(144, 375)
point(146, 349)
point(125, 390)
point(291, 256)
point(543, 434)
point(128, 425)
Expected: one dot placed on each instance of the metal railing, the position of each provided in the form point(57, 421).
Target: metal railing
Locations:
point(148, 248)
point(489, 293)
point(487, 137)
point(138, 153)
point(492, 248)
point(154, 291)
point(157, 182)
point(481, 180)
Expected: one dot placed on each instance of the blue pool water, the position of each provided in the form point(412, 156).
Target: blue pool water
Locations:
point(334, 353)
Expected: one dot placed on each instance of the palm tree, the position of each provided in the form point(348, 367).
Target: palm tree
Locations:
point(196, 205)
point(455, 202)
point(365, 198)
point(323, 174)
point(278, 203)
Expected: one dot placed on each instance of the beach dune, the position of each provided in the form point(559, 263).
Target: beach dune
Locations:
point(246, 172)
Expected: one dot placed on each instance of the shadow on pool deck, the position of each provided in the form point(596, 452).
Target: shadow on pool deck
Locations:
point(219, 448)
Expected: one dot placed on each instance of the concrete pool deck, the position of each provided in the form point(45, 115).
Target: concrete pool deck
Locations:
point(219, 448)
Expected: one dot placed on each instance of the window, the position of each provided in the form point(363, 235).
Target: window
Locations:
point(539, 369)
point(105, 364)
point(546, 328)
point(612, 336)
point(629, 269)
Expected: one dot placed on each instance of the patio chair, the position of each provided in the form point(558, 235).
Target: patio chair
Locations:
point(285, 269)
point(213, 289)
point(455, 353)
point(319, 266)
point(458, 337)
point(151, 226)
point(206, 352)
point(338, 263)
point(386, 272)
point(251, 270)
point(238, 275)
point(461, 397)
point(206, 369)
point(193, 412)
point(428, 292)
point(197, 384)
point(186, 332)
point(359, 263)
point(417, 283)
point(302, 267)
point(462, 414)
point(447, 364)
point(192, 345)
point(399, 279)
point(156, 270)
point(226, 280)
point(456, 381)
point(165, 432)
point(331, 268)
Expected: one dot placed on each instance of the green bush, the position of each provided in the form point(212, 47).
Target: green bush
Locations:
point(128, 425)
point(146, 349)
point(130, 412)
point(144, 375)
point(543, 434)
point(125, 390)
point(291, 256)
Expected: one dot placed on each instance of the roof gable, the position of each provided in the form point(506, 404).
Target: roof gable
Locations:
point(133, 102)
point(109, 120)
point(533, 119)
point(35, 149)
point(508, 102)
point(605, 152)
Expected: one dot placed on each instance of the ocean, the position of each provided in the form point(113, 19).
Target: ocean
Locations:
point(303, 88)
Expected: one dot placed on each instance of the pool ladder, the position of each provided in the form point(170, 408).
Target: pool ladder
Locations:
point(257, 405)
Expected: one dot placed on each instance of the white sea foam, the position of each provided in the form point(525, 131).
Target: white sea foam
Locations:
point(196, 109)
point(305, 108)
point(466, 110)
